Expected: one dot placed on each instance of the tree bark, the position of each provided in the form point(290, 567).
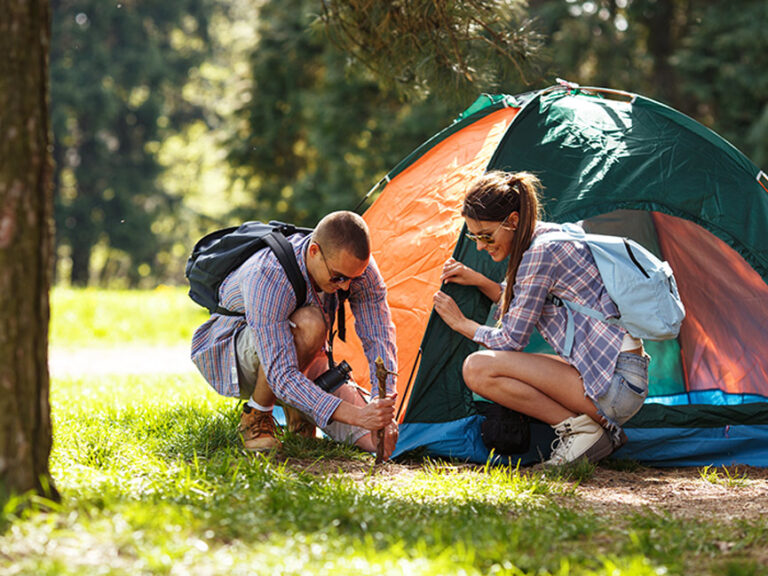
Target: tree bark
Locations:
point(26, 234)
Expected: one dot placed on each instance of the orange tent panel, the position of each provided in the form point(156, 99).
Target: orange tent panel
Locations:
point(414, 225)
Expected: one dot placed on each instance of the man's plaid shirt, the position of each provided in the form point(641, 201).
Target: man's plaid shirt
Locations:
point(261, 289)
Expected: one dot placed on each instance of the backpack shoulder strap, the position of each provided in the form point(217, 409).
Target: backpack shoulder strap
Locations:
point(287, 258)
point(571, 233)
point(568, 233)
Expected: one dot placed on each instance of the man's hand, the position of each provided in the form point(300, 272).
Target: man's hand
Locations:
point(373, 416)
point(377, 414)
point(391, 433)
point(369, 442)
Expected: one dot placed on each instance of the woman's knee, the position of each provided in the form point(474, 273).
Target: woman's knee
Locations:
point(475, 371)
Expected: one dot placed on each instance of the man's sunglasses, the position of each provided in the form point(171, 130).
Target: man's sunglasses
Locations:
point(334, 278)
point(487, 239)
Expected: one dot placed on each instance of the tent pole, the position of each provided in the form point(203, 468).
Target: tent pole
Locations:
point(381, 183)
point(408, 385)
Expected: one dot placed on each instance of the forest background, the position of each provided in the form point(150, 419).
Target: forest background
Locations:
point(171, 119)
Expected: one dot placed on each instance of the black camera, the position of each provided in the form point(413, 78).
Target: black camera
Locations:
point(334, 377)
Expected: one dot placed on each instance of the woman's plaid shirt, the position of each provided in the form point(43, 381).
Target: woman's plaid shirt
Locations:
point(567, 270)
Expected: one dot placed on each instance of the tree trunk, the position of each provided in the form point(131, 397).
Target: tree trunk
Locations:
point(81, 261)
point(662, 43)
point(26, 233)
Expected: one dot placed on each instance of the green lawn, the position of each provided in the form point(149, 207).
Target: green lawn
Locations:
point(104, 318)
point(153, 481)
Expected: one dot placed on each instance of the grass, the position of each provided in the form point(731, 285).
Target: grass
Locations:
point(154, 481)
point(94, 318)
point(724, 477)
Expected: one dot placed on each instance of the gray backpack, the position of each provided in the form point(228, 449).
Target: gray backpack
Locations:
point(642, 286)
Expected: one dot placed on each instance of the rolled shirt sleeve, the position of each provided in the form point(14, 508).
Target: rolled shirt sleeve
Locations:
point(373, 324)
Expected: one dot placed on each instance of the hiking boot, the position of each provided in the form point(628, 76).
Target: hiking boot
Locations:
point(299, 423)
point(579, 437)
point(258, 430)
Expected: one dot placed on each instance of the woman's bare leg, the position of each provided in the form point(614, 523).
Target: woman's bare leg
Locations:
point(540, 385)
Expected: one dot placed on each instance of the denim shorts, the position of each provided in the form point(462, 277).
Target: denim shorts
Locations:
point(628, 389)
point(248, 362)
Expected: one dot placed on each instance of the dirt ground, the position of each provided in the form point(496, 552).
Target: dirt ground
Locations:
point(725, 494)
point(734, 493)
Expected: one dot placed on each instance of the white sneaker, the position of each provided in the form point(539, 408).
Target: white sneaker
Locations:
point(579, 437)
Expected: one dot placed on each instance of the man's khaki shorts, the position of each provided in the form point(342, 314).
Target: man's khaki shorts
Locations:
point(248, 365)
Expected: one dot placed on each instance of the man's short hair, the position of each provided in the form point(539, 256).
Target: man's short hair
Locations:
point(344, 230)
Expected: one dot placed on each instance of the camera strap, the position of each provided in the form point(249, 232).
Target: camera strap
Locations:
point(340, 313)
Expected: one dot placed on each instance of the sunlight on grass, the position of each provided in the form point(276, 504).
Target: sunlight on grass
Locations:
point(154, 480)
point(93, 317)
point(491, 485)
point(723, 477)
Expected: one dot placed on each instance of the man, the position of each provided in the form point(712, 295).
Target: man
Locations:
point(275, 351)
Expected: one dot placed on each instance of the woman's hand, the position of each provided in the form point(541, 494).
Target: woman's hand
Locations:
point(455, 272)
point(449, 311)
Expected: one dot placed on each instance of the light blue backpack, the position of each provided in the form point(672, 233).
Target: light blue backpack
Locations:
point(642, 286)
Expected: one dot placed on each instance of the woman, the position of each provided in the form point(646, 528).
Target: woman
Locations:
point(585, 396)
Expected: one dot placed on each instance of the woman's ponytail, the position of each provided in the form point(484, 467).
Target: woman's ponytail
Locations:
point(527, 187)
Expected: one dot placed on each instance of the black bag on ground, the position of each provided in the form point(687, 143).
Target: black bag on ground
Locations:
point(220, 252)
point(504, 431)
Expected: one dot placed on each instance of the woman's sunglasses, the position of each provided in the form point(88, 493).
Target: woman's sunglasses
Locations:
point(484, 238)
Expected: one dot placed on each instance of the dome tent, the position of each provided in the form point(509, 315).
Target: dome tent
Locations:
point(623, 164)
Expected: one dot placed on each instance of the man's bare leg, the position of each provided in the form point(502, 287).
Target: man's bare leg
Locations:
point(309, 335)
point(257, 424)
